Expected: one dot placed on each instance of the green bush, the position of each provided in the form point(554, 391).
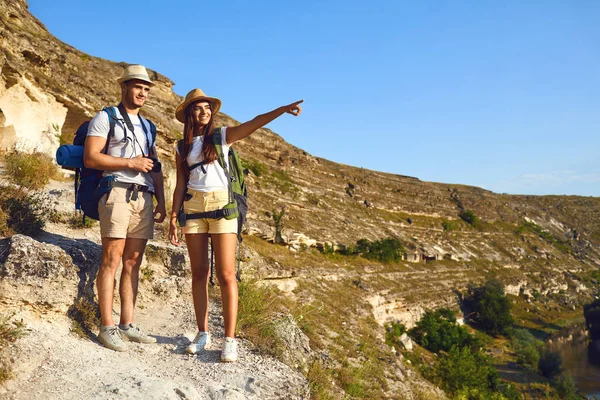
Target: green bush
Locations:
point(438, 330)
point(450, 226)
point(22, 212)
point(526, 347)
point(393, 331)
point(550, 364)
point(469, 217)
point(464, 370)
point(490, 307)
point(565, 387)
point(256, 167)
point(388, 250)
point(29, 170)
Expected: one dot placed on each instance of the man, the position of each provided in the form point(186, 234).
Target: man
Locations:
point(126, 212)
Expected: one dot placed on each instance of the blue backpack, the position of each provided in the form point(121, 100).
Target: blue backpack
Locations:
point(87, 190)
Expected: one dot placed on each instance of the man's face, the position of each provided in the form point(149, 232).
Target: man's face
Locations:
point(201, 112)
point(135, 92)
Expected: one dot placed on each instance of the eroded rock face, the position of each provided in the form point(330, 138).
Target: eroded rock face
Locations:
point(297, 352)
point(36, 273)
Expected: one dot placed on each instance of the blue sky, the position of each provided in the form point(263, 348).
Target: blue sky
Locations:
point(501, 95)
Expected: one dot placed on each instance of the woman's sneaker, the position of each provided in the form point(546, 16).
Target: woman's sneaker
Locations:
point(229, 353)
point(201, 340)
point(111, 338)
point(133, 333)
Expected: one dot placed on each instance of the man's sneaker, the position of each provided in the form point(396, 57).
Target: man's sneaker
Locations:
point(111, 338)
point(201, 340)
point(133, 333)
point(229, 353)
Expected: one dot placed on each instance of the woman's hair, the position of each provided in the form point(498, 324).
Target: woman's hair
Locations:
point(209, 151)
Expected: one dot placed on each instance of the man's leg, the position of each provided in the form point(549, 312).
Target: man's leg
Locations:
point(128, 287)
point(112, 251)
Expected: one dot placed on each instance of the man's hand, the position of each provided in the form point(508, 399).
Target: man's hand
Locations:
point(141, 164)
point(160, 209)
point(173, 232)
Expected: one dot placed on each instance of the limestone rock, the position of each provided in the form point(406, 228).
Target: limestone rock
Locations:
point(297, 352)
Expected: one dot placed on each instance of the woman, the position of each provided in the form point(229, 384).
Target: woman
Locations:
point(208, 187)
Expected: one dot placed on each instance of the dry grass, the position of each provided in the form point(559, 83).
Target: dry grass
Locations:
point(10, 331)
point(85, 317)
point(29, 170)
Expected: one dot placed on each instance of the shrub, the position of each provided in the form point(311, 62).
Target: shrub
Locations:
point(490, 306)
point(469, 217)
point(464, 370)
point(30, 170)
point(565, 387)
point(450, 226)
point(22, 212)
point(386, 250)
point(550, 364)
point(438, 330)
point(256, 167)
point(526, 346)
point(393, 331)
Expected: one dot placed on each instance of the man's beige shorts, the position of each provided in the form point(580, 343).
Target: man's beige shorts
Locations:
point(122, 219)
point(208, 201)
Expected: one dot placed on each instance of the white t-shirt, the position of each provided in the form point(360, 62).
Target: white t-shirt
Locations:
point(214, 179)
point(124, 146)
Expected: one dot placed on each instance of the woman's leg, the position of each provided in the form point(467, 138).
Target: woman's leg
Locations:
point(224, 245)
point(197, 245)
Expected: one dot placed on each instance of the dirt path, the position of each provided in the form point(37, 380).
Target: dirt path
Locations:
point(55, 364)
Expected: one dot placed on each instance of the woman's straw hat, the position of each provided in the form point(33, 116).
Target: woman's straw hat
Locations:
point(135, 72)
point(193, 96)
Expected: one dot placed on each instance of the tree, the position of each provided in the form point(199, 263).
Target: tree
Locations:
point(490, 306)
point(463, 369)
point(438, 330)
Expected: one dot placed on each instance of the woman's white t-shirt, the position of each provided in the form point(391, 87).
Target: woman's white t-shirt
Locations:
point(214, 179)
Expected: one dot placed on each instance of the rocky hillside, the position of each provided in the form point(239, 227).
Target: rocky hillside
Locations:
point(537, 245)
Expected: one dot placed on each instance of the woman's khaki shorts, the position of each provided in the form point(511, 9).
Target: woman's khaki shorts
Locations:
point(123, 219)
point(208, 201)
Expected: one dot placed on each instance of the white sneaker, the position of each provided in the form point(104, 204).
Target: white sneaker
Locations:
point(201, 340)
point(111, 338)
point(229, 353)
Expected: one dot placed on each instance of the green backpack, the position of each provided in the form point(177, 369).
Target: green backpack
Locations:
point(237, 207)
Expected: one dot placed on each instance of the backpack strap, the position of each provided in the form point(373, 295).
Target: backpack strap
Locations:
point(218, 142)
point(112, 118)
point(152, 133)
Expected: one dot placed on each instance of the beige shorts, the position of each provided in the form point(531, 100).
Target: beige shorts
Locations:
point(122, 219)
point(208, 201)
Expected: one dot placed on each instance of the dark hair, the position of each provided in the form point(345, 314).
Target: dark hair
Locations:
point(209, 151)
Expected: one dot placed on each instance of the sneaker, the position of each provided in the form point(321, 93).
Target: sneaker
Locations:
point(111, 338)
point(133, 333)
point(229, 353)
point(201, 340)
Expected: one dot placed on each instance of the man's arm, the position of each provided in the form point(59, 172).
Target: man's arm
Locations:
point(94, 158)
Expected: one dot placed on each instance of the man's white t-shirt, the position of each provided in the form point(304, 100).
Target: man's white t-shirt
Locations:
point(214, 179)
point(124, 144)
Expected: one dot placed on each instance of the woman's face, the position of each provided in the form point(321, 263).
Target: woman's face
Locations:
point(201, 112)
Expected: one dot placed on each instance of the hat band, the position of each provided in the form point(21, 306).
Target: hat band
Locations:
point(137, 76)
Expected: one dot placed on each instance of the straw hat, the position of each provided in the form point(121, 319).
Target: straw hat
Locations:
point(193, 96)
point(135, 72)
